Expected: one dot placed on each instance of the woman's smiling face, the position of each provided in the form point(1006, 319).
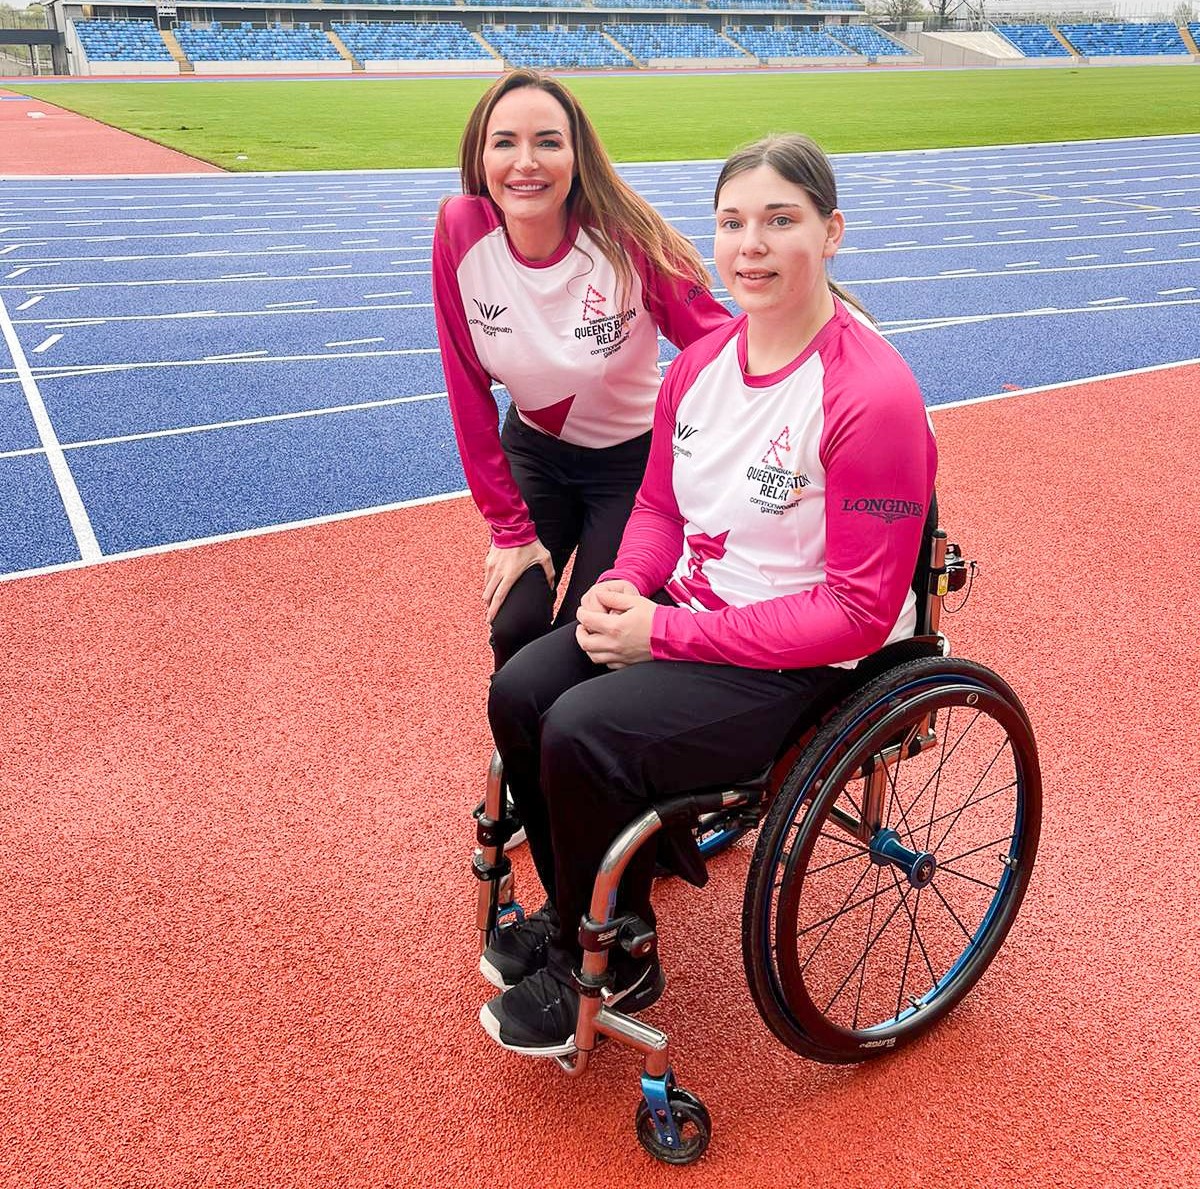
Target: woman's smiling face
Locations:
point(772, 243)
point(528, 158)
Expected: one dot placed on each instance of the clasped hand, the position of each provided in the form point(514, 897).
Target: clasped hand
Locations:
point(614, 624)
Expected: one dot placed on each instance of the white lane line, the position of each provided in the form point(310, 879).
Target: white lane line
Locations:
point(31, 302)
point(81, 526)
point(75, 371)
point(330, 267)
point(172, 546)
point(1024, 264)
point(398, 293)
point(46, 344)
point(359, 241)
point(10, 248)
point(1172, 292)
point(243, 422)
point(1137, 251)
point(354, 342)
point(902, 243)
point(1195, 243)
point(16, 272)
point(1095, 307)
point(989, 398)
point(299, 308)
point(1088, 256)
point(233, 357)
point(283, 305)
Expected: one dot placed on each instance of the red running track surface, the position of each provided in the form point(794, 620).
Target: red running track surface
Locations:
point(39, 138)
point(237, 919)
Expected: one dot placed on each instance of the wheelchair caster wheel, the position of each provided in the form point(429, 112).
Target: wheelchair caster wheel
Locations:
point(693, 1129)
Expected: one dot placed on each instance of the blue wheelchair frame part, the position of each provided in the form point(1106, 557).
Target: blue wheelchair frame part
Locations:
point(656, 1092)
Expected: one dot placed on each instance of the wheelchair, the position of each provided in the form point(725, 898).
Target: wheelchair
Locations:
point(897, 831)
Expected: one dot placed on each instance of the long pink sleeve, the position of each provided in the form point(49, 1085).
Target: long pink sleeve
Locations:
point(683, 310)
point(880, 460)
point(473, 407)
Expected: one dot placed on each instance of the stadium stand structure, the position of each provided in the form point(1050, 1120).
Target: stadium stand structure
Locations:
point(781, 45)
point(381, 44)
point(869, 41)
point(554, 46)
point(649, 42)
point(122, 41)
point(1034, 41)
point(484, 36)
point(1125, 39)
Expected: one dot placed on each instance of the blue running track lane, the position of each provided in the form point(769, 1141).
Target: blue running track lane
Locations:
point(192, 357)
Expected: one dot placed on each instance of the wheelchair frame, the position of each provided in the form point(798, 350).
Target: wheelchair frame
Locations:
point(672, 1124)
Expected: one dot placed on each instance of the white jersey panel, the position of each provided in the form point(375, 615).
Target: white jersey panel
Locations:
point(576, 362)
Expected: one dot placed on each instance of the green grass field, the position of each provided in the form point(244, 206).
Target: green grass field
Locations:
point(365, 124)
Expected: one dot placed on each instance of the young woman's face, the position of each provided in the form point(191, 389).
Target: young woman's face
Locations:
point(528, 158)
point(772, 243)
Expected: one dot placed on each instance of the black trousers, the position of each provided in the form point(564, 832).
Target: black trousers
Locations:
point(587, 749)
point(579, 500)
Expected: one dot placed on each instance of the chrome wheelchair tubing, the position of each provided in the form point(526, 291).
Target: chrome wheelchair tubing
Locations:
point(595, 1018)
point(491, 891)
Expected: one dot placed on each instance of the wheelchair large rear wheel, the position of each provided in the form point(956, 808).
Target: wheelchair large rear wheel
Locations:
point(893, 861)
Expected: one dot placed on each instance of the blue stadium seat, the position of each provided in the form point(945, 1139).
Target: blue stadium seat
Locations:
point(398, 41)
point(1034, 41)
point(122, 41)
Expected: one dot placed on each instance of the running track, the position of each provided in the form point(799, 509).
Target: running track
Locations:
point(197, 357)
point(236, 910)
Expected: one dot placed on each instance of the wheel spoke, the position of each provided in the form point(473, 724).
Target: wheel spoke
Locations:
point(862, 974)
point(962, 809)
point(968, 878)
point(971, 801)
point(974, 850)
point(935, 775)
point(937, 892)
point(865, 955)
point(830, 921)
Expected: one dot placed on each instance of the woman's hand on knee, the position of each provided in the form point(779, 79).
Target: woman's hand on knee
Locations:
point(504, 566)
point(617, 634)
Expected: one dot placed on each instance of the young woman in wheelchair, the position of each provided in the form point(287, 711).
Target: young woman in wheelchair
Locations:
point(772, 545)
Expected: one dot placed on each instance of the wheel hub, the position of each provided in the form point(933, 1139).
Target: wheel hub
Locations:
point(919, 866)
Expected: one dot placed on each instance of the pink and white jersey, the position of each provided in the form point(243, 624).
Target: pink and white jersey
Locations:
point(783, 513)
point(579, 359)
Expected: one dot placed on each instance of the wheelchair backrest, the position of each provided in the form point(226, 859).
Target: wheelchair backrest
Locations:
point(929, 562)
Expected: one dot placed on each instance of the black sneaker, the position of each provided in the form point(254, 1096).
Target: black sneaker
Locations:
point(519, 950)
point(513, 814)
point(537, 1017)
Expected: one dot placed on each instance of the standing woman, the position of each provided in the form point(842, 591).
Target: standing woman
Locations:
point(772, 547)
point(553, 278)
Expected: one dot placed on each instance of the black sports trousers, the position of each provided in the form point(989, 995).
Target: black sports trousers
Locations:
point(587, 749)
point(579, 500)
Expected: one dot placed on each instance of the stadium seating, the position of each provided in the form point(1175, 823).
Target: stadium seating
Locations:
point(122, 41)
point(752, 5)
point(397, 41)
point(1123, 39)
point(250, 43)
point(660, 5)
point(525, 3)
point(533, 45)
point(646, 41)
point(869, 41)
point(1034, 41)
point(766, 42)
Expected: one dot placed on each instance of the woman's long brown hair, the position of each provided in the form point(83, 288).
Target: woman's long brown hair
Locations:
point(611, 211)
point(802, 162)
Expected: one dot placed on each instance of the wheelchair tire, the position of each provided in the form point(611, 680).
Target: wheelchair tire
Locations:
point(691, 1121)
point(857, 939)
